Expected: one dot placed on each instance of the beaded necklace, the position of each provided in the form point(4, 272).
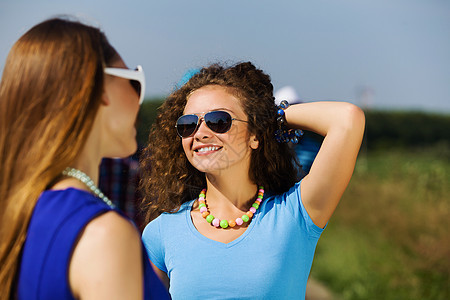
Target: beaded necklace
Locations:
point(225, 223)
point(77, 174)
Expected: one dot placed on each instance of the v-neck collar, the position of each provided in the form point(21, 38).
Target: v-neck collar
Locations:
point(197, 234)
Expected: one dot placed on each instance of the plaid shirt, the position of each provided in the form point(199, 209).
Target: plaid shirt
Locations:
point(119, 179)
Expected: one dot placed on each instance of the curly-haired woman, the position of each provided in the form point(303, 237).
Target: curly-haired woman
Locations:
point(229, 218)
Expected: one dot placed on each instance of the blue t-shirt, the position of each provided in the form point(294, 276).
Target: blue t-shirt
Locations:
point(58, 219)
point(270, 260)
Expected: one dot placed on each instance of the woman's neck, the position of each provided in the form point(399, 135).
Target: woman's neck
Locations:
point(88, 162)
point(225, 191)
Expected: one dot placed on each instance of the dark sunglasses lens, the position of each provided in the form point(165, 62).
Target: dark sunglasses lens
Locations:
point(218, 121)
point(136, 86)
point(186, 125)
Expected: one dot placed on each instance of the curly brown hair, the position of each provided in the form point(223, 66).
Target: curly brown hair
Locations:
point(169, 180)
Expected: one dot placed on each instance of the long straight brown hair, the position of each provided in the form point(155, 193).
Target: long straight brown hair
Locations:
point(50, 92)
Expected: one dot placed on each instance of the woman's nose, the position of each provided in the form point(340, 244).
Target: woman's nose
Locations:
point(202, 130)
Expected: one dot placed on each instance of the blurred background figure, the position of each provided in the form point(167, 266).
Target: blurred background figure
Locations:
point(119, 179)
point(308, 146)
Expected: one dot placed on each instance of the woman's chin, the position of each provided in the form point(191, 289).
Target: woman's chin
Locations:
point(127, 150)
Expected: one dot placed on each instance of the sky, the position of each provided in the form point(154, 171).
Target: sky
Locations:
point(382, 54)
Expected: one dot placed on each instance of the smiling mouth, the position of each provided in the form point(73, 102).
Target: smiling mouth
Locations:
point(207, 149)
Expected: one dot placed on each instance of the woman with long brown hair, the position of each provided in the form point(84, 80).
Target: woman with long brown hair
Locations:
point(229, 217)
point(67, 99)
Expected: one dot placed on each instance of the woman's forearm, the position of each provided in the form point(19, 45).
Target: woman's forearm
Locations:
point(326, 116)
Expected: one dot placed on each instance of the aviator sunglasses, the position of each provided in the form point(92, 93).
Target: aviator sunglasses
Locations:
point(218, 121)
point(136, 77)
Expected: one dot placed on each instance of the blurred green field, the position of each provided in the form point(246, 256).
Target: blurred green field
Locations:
point(389, 237)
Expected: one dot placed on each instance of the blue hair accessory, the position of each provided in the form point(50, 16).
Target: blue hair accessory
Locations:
point(284, 134)
point(188, 75)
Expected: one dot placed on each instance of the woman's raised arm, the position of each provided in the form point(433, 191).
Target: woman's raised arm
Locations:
point(342, 125)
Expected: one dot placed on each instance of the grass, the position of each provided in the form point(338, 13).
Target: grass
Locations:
point(388, 238)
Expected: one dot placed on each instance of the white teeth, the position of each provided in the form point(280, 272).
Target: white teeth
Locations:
point(205, 149)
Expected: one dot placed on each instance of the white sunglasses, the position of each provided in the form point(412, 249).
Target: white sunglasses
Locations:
point(137, 78)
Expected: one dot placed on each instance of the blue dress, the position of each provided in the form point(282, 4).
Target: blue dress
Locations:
point(55, 226)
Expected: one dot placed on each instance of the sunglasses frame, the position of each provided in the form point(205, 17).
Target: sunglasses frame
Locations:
point(202, 117)
point(137, 75)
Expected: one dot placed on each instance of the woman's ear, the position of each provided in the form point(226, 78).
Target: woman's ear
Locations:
point(105, 99)
point(108, 90)
point(254, 143)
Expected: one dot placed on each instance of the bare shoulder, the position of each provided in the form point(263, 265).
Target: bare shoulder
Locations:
point(108, 248)
point(109, 233)
point(111, 228)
